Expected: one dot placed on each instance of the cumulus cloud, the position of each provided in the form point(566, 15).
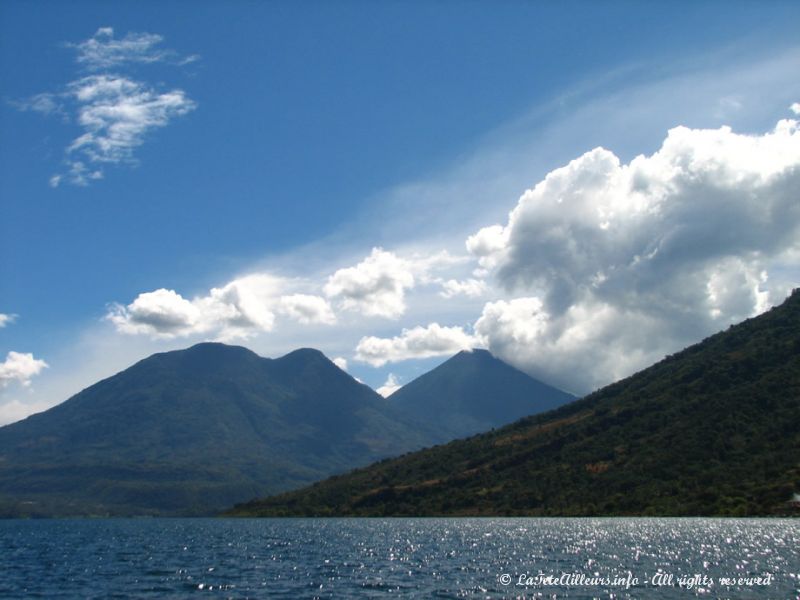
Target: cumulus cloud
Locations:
point(238, 310)
point(591, 345)
point(390, 386)
point(417, 342)
point(6, 319)
point(341, 362)
point(114, 111)
point(20, 367)
point(377, 286)
point(162, 313)
point(242, 307)
point(487, 245)
point(307, 309)
point(618, 264)
point(374, 287)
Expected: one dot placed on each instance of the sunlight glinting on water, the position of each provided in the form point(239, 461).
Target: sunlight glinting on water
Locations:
point(451, 558)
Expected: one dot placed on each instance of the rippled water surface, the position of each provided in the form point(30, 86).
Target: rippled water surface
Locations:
point(371, 558)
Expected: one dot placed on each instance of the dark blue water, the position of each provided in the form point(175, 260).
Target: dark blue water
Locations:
point(413, 558)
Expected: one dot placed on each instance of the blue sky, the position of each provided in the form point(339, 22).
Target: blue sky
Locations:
point(278, 146)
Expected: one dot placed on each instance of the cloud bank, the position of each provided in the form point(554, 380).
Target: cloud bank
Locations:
point(614, 265)
point(601, 269)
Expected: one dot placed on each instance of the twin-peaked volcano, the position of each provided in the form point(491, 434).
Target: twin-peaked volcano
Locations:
point(191, 431)
point(196, 430)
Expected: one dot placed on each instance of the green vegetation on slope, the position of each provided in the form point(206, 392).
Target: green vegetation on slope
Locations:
point(711, 430)
point(193, 431)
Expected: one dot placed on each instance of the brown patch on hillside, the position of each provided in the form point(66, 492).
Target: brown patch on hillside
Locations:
point(544, 428)
point(598, 467)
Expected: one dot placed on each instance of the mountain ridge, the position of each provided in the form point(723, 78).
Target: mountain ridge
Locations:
point(710, 430)
point(197, 427)
point(193, 431)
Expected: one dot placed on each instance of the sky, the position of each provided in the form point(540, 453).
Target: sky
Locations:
point(580, 187)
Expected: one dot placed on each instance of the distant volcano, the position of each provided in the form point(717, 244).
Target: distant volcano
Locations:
point(193, 431)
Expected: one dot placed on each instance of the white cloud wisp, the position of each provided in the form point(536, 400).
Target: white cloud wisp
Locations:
point(115, 112)
point(390, 386)
point(104, 51)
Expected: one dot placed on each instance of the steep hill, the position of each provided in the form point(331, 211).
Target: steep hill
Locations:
point(474, 392)
point(193, 431)
point(711, 430)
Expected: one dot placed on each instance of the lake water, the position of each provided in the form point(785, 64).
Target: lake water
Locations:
point(413, 558)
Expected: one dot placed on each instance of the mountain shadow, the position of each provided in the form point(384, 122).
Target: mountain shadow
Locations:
point(473, 392)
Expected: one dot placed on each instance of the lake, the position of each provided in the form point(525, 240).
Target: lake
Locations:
point(377, 558)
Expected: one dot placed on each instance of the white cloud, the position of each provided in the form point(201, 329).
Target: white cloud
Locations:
point(378, 285)
point(620, 264)
point(418, 342)
point(307, 309)
point(390, 386)
point(104, 51)
point(488, 244)
point(115, 112)
point(374, 287)
point(237, 310)
point(520, 321)
point(341, 362)
point(242, 308)
point(795, 108)
point(472, 288)
point(590, 345)
point(6, 319)
point(162, 313)
point(20, 367)
point(78, 174)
